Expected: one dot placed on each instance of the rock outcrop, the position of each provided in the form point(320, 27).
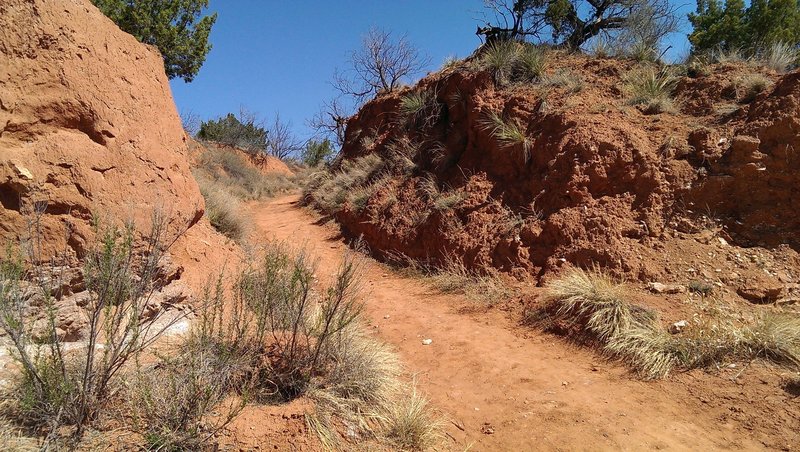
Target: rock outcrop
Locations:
point(88, 126)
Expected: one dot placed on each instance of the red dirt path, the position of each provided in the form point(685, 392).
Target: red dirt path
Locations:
point(531, 390)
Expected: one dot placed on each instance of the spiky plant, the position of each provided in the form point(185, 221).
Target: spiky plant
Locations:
point(652, 88)
point(530, 64)
point(410, 423)
point(499, 58)
point(507, 132)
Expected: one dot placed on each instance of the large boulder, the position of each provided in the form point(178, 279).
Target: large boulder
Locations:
point(88, 126)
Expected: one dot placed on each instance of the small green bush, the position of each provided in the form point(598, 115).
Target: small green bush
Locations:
point(241, 132)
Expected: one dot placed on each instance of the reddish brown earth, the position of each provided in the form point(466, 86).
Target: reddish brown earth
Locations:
point(88, 128)
point(500, 386)
point(606, 184)
point(267, 164)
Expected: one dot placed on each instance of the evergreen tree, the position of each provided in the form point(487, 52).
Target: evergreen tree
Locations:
point(175, 27)
point(317, 152)
point(242, 133)
point(735, 26)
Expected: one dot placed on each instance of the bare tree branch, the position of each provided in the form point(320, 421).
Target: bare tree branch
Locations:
point(281, 141)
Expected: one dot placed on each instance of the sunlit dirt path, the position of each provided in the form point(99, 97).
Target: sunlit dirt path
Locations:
point(501, 387)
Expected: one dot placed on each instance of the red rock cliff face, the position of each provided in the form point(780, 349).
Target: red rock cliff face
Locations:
point(600, 181)
point(87, 125)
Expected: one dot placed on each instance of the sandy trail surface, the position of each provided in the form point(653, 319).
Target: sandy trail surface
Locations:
point(500, 386)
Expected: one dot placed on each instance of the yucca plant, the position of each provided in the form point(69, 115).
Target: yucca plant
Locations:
point(653, 89)
point(530, 63)
point(421, 107)
point(508, 132)
point(499, 58)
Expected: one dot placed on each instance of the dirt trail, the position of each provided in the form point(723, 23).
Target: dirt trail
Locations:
point(500, 390)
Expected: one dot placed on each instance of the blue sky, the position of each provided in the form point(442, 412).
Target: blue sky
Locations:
point(278, 56)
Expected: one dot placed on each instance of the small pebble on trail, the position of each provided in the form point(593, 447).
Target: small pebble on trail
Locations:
point(427, 341)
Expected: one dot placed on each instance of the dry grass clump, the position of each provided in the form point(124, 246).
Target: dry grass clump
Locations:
point(447, 200)
point(225, 178)
point(232, 173)
point(512, 61)
point(591, 306)
point(652, 89)
point(410, 424)
point(780, 56)
point(572, 82)
point(748, 87)
point(223, 210)
point(508, 132)
point(775, 337)
point(453, 277)
point(329, 190)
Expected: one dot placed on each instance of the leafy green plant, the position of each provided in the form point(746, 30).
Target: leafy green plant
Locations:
point(243, 131)
point(317, 153)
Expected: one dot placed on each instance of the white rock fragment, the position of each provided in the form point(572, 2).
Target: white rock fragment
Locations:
point(657, 287)
point(678, 326)
point(427, 341)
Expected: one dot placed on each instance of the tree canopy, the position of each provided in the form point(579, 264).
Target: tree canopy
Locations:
point(574, 22)
point(735, 26)
point(242, 132)
point(176, 27)
point(317, 152)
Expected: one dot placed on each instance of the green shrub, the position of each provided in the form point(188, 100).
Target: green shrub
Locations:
point(317, 152)
point(241, 132)
point(57, 387)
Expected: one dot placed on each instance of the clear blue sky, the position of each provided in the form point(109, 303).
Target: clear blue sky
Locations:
point(278, 56)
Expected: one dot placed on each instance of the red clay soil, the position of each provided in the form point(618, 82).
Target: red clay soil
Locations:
point(606, 183)
point(500, 386)
point(266, 164)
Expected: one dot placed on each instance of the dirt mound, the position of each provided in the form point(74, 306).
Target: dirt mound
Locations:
point(89, 125)
point(266, 164)
point(88, 128)
point(595, 180)
point(754, 183)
